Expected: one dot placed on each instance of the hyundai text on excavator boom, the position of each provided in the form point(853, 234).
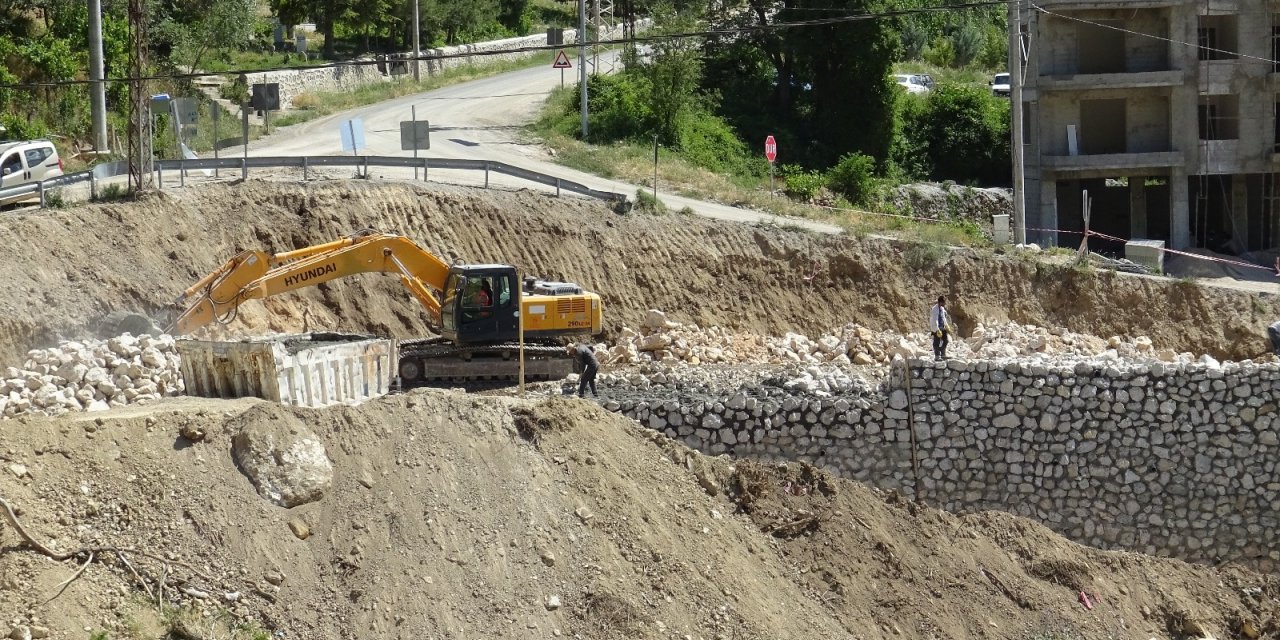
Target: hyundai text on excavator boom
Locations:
point(475, 308)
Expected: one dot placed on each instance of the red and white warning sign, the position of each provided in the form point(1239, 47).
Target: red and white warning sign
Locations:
point(562, 62)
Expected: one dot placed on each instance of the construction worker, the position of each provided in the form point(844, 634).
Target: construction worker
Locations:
point(586, 356)
point(940, 327)
point(1273, 332)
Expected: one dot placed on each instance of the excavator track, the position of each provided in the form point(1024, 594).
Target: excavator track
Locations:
point(432, 361)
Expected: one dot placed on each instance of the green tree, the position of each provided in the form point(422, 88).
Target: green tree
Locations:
point(674, 71)
point(965, 133)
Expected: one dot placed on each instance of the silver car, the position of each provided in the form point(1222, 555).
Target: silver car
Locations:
point(27, 162)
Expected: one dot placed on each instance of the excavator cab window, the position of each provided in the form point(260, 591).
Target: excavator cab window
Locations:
point(451, 290)
point(477, 298)
point(502, 290)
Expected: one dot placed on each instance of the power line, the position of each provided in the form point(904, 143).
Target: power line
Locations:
point(1151, 35)
point(816, 22)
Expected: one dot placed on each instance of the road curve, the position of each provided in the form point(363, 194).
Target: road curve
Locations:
point(482, 119)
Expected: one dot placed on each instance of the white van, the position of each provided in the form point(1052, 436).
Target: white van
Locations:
point(27, 163)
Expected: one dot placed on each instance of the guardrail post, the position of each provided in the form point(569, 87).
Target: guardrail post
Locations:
point(557, 187)
point(426, 167)
point(304, 168)
point(486, 174)
point(42, 194)
point(93, 184)
point(182, 172)
point(244, 168)
point(366, 167)
point(159, 175)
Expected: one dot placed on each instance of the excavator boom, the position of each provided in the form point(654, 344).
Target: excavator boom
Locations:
point(254, 274)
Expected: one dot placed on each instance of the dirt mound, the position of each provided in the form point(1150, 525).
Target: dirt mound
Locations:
point(65, 270)
point(466, 516)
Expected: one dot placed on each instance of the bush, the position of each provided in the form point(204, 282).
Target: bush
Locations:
point(647, 203)
point(940, 53)
point(958, 133)
point(801, 184)
point(619, 107)
point(853, 177)
point(20, 128)
point(914, 40)
point(966, 42)
point(995, 49)
point(306, 100)
point(707, 141)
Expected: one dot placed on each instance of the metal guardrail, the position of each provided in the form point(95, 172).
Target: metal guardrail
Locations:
point(120, 168)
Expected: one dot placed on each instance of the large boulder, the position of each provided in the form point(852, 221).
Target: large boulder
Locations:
point(283, 458)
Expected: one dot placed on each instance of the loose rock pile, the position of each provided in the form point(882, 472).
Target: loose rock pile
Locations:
point(93, 375)
point(663, 340)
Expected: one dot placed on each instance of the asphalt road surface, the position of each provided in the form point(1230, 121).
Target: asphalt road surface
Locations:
point(482, 120)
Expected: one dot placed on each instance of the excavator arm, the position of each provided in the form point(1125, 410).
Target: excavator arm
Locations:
point(255, 274)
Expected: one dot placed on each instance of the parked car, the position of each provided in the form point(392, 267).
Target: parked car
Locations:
point(27, 162)
point(912, 84)
point(1000, 85)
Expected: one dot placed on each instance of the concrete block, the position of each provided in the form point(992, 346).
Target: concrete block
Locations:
point(1000, 228)
point(1148, 253)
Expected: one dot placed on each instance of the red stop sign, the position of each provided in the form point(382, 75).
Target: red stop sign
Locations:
point(770, 149)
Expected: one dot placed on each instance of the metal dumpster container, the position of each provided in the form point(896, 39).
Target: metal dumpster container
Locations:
point(306, 370)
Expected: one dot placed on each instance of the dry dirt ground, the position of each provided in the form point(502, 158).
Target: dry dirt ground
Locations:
point(463, 516)
point(455, 516)
point(63, 270)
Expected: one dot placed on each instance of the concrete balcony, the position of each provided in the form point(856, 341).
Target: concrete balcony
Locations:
point(1103, 81)
point(1112, 161)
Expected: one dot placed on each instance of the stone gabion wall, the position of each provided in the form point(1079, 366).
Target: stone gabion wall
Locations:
point(1175, 460)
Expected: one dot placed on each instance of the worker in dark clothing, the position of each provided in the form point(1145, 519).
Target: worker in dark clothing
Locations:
point(586, 356)
point(940, 327)
point(1273, 332)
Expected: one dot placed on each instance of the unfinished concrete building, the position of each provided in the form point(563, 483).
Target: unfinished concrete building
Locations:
point(1164, 112)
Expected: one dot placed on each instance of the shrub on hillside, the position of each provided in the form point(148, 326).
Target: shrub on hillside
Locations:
point(801, 184)
point(853, 177)
point(958, 133)
point(707, 141)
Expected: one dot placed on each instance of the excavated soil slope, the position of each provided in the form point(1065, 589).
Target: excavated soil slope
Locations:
point(63, 270)
point(455, 516)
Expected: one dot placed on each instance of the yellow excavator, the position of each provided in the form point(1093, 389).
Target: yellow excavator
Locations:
point(475, 308)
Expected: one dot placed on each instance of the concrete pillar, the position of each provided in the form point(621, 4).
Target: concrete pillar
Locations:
point(1239, 213)
point(1048, 213)
point(1179, 210)
point(1137, 207)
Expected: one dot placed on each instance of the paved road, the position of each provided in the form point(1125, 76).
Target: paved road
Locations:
point(483, 120)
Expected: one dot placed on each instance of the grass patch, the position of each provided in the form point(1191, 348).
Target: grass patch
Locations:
point(633, 162)
point(647, 203)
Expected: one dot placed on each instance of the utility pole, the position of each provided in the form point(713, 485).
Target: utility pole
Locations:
point(139, 107)
point(98, 99)
point(417, 32)
point(582, 62)
point(1015, 95)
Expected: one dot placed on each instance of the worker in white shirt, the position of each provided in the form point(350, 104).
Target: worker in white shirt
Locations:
point(940, 327)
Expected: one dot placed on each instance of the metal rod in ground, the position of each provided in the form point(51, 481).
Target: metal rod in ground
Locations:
point(655, 169)
point(413, 111)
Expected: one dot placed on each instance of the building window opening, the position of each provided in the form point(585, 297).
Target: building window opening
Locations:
point(1216, 37)
point(1219, 117)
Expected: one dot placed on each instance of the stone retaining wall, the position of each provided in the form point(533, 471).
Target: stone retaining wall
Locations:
point(1169, 460)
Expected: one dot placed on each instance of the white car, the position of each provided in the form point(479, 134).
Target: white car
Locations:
point(27, 162)
point(912, 84)
point(1000, 85)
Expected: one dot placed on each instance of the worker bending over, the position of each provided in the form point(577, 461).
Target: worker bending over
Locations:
point(586, 356)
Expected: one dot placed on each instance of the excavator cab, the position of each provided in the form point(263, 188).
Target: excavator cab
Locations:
point(481, 304)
